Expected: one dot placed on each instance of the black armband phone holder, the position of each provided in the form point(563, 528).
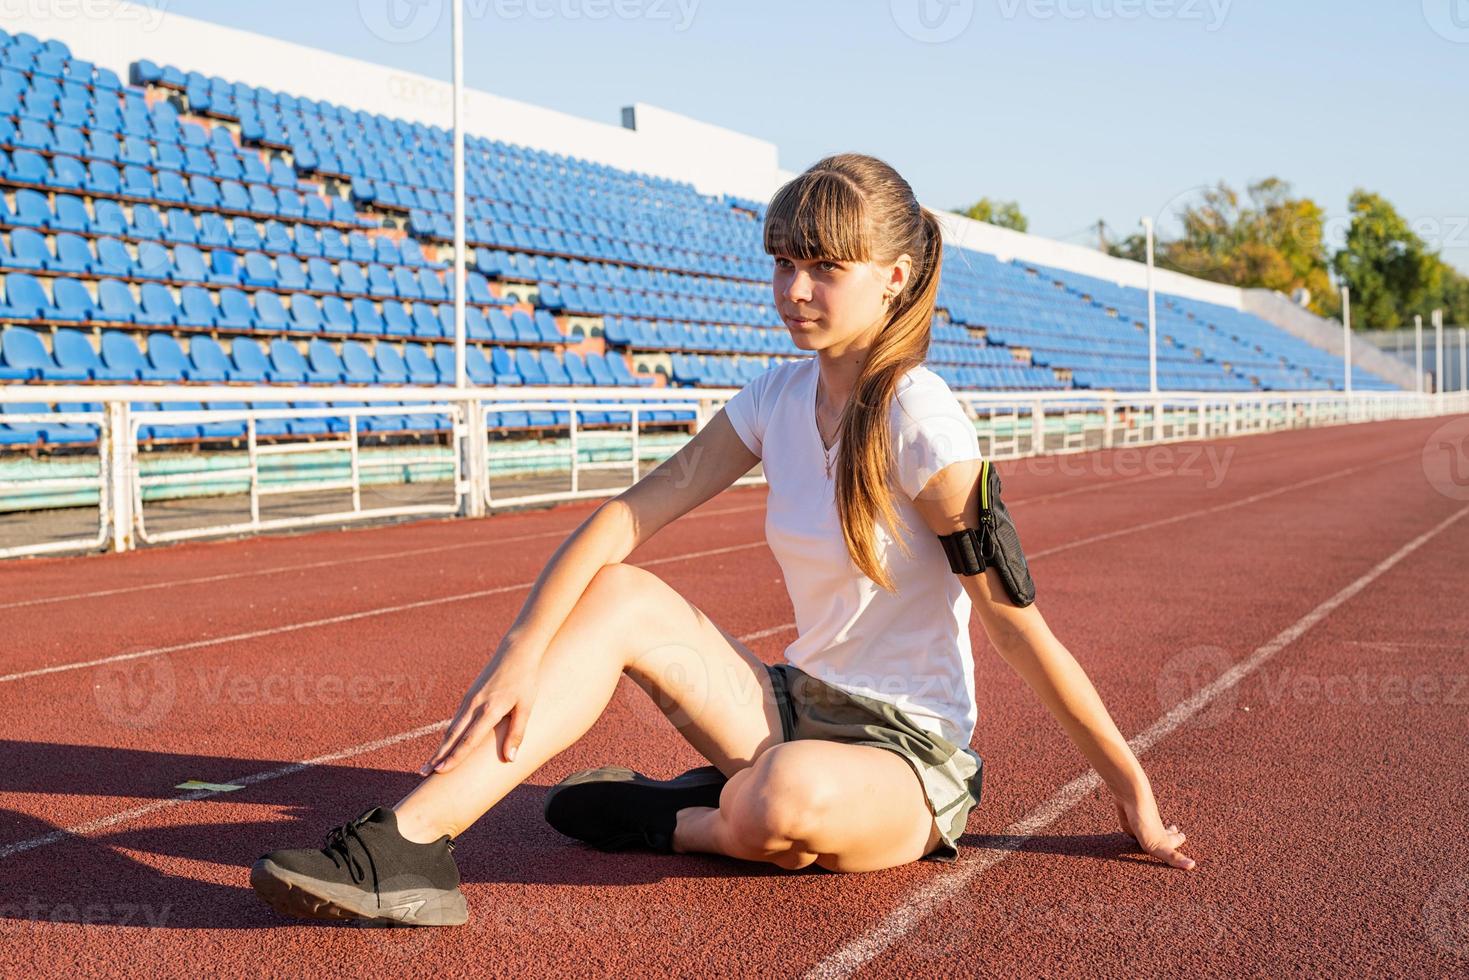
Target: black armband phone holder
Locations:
point(994, 544)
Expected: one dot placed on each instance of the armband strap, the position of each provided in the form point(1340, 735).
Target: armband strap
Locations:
point(965, 550)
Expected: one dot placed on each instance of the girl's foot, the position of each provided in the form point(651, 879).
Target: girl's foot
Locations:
point(367, 870)
point(615, 809)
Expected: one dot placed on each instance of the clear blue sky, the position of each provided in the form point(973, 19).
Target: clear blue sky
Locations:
point(1078, 109)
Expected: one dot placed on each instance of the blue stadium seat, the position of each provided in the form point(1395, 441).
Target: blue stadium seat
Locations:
point(305, 314)
point(209, 362)
point(390, 367)
point(112, 259)
point(421, 369)
point(270, 313)
point(72, 302)
point(601, 373)
point(166, 356)
point(28, 250)
point(73, 255)
point(153, 261)
point(288, 365)
point(188, 265)
point(396, 320)
point(73, 351)
point(235, 311)
point(576, 368)
point(324, 360)
point(336, 317)
point(426, 322)
point(120, 354)
point(196, 308)
point(115, 302)
point(365, 317)
point(25, 352)
point(158, 305)
point(249, 361)
point(358, 367)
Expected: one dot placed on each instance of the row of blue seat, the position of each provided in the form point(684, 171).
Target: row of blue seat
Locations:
point(197, 150)
point(30, 250)
point(198, 307)
point(24, 357)
point(208, 229)
point(132, 182)
point(650, 335)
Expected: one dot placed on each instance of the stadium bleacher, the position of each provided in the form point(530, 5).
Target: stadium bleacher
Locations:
point(183, 228)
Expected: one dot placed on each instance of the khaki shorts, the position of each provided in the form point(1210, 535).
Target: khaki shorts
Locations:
point(951, 776)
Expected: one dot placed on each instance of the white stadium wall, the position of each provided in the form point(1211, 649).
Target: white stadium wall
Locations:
point(647, 139)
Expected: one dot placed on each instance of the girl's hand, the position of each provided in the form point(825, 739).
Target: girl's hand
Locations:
point(1141, 822)
point(504, 691)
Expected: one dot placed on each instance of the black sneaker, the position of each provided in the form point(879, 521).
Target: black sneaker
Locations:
point(615, 809)
point(366, 871)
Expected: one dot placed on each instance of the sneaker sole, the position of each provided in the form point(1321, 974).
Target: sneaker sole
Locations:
point(309, 898)
point(595, 782)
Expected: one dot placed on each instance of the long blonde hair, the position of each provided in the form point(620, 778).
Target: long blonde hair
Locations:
point(851, 207)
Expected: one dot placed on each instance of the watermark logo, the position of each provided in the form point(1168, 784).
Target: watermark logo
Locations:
point(410, 21)
point(1449, 19)
point(401, 21)
point(1187, 673)
point(1445, 916)
point(148, 14)
point(135, 693)
point(1446, 459)
point(932, 21)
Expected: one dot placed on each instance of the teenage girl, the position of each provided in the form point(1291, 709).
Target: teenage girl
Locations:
point(852, 754)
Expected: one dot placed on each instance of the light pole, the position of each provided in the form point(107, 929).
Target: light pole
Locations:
point(461, 372)
point(1346, 335)
point(1418, 340)
point(1152, 314)
point(1438, 335)
point(1463, 359)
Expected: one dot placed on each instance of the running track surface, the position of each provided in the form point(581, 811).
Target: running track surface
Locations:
point(1279, 619)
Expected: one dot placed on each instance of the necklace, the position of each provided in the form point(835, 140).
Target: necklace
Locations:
point(825, 450)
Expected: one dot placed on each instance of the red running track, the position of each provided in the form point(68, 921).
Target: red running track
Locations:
point(1279, 620)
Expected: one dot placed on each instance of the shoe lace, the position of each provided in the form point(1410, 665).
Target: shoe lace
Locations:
point(337, 843)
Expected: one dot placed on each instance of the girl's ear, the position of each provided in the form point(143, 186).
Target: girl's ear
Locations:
point(902, 270)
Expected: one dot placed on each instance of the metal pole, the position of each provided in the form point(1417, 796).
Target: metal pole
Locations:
point(1346, 335)
point(1463, 359)
point(1438, 335)
point(1152, 315)
point(461, 374)
point(1418, 338)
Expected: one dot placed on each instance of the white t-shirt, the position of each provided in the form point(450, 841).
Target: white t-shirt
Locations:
point(910, 649)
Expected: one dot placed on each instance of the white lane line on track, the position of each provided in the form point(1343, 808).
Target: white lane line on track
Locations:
point(1217, 508)
point(926, 900)
point(102, 823)
point(459, 546)
point(333, 620)
point(327, 563)
point(463, 596)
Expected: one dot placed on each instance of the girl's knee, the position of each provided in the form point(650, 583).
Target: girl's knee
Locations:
point(777, 804)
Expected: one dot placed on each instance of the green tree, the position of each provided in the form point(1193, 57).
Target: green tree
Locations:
point(1006, 214)
point(1263, 239)
point(1390, 270)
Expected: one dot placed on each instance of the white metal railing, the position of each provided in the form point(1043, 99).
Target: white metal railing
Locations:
point(1009, 425)
point(256, 451)
point(99, 483)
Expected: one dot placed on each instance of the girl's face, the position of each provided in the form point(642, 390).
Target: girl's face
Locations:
point(827, 305)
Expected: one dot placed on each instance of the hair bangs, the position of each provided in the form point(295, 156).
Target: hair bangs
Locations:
point(820, 215)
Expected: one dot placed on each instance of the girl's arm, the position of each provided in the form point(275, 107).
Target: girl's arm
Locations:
point(950, 502)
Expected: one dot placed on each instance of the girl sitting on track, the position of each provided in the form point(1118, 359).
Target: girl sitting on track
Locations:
point(814, 759)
